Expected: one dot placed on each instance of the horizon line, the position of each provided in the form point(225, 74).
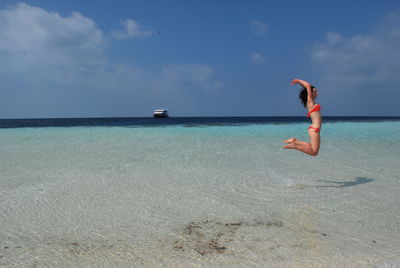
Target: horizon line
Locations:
point(217, 116)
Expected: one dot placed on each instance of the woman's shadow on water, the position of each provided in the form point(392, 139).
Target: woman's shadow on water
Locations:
point(341, 184)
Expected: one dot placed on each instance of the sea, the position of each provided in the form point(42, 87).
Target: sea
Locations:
point(199, 192)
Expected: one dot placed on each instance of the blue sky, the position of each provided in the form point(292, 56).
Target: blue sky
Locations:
point(197, 58)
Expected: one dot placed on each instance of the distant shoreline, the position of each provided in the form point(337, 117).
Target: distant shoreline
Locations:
point(193, 121)
point(228, 116)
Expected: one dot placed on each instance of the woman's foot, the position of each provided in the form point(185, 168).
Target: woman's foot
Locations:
point(290, 146)
point(291, 140)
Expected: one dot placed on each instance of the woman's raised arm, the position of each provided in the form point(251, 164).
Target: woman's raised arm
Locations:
point(307, 86)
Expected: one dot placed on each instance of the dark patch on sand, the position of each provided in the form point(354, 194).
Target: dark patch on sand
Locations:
point(86, 248)
point(213, 237)
point(46, 253)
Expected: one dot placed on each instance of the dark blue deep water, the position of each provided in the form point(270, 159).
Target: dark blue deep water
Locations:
point(185, 121)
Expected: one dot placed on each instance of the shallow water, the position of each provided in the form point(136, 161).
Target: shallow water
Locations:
point(210, 196)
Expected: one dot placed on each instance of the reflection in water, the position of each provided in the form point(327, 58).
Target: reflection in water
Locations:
point(340, 184)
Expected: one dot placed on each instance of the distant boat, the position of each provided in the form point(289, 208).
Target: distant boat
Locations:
point(160, 113)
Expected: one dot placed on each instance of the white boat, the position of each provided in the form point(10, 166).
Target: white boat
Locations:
point(160, 113)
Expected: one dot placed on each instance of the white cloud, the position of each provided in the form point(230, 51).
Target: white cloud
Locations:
point(259, 28)
point(44, 54)
point(361, 61)
point(257, 58)
point(172, 78)
point(186, 77)
point(45, 47)
point(41, 44)
point(132, 29)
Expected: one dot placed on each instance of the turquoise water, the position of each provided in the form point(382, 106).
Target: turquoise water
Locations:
point(210, 196)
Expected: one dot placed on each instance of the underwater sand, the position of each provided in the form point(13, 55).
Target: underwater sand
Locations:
point(211, 196)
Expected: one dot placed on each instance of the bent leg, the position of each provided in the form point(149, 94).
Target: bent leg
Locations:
point(301, 146)
point(315, 141)
point(311, 148)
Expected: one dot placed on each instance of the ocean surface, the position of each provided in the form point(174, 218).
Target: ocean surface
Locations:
point(199, 192)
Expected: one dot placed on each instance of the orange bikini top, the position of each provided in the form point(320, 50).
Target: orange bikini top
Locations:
point(317, 108)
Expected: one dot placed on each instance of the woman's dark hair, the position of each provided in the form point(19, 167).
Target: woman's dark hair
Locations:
point(303, 96)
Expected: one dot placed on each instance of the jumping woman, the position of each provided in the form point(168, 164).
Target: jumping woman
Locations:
point(307, 96)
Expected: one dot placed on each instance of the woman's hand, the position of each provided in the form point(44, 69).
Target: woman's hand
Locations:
point(305, 84)
point(295, 81)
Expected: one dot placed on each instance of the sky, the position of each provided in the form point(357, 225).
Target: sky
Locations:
point(125, 58)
